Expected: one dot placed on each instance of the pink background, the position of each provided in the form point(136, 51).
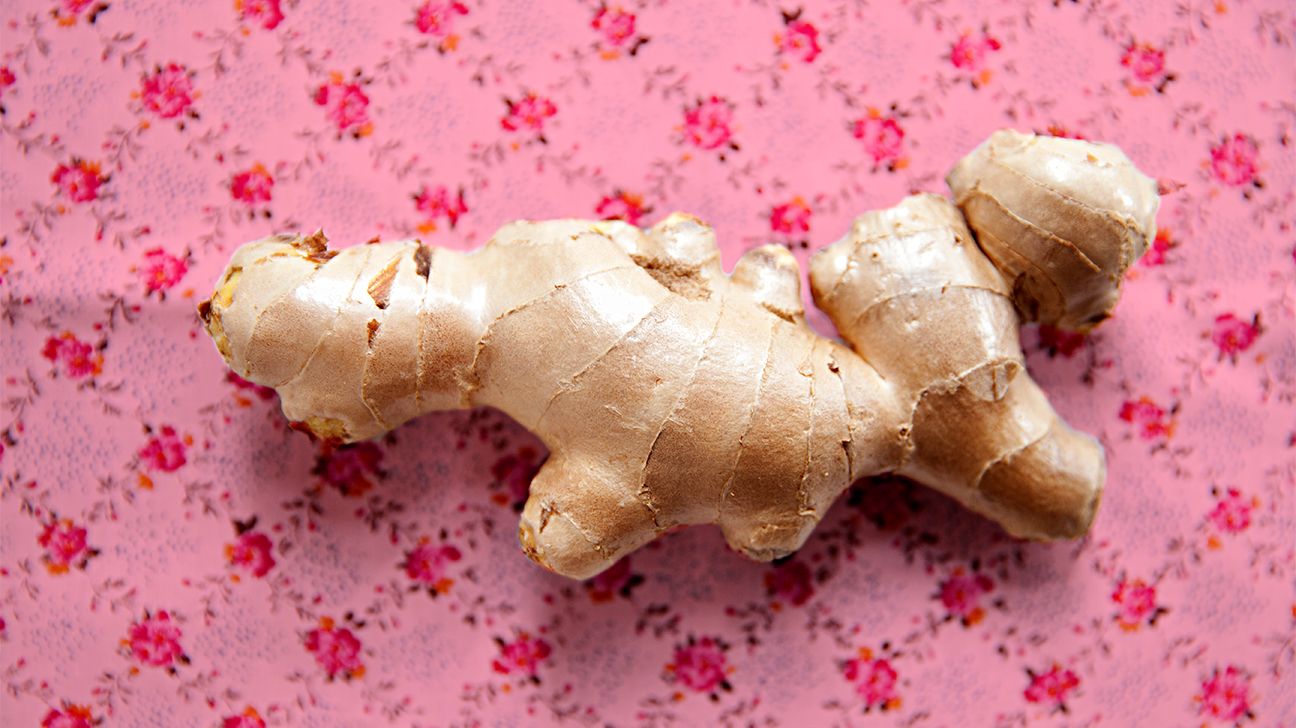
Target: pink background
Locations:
point(384, 582)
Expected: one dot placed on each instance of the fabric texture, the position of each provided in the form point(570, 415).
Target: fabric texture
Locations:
point(171, 553)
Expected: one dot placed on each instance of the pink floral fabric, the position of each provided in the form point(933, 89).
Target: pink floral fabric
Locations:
point(173, 553)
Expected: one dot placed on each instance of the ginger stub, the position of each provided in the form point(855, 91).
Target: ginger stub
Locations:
point(669, 393)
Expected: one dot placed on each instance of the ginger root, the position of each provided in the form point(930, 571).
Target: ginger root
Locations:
point(669, 393)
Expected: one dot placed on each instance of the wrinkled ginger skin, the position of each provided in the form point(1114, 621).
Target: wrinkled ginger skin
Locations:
point(669, 393)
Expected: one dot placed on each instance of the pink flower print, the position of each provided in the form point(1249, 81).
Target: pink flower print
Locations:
point(790, 582)
point(1147, 68)
point(522, 656)
point(617, 579)
point(155, 641)
point(168, 92)
point(1060, 341)
point(77, 358)
point(1136, 602)
point(240, 383)
point(427, 564)
point(969, 53)
point(1232, 335)
point(1156, 254)
point(700, 665)
point(514, 472)
point(165, 451)
point(799, 39)
point(528, 113)
point(1150, 419)
point(791, 218)
point(252, 186)
point(336, 650)
point(346, 105)
point(439, 202)
point(78, 181)
point(882, 137)
point(708, 123)
point(161, 270)
point(265, 13)
point(1226, 696)
point(1232, 513)
point(1235, 161)
point(874, 680)
point(961, 595)
point(615, 25)
point(1051, 688)
point(249, 718)
point(69, 716)
point(65, 546)
point(622, 205)
point(350, 468)
point(436, 18)
point(251, 553)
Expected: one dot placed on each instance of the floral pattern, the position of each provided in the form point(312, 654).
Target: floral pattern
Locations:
point(172, 546)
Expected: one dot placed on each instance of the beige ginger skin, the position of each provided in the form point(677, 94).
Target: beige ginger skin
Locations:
point(669, 393)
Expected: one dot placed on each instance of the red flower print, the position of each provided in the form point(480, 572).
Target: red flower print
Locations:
point(528, 113)
point(78, 358)
point(615, 25)
point(427, 565)
point(874, 680)
point(65, 546)
point(346, 105)
point(707, 124)
point(791, 218)
point(515, 472)
point(336, 650)
point(251, 553)
point(522, 656)
point(1136, 601)
point(1060, 341)
point(252, 185)
point(1232, 335)
point(249, 718)
point(71, 9)
point(1156, 254)
point(700, 665)
point(155, 641)
point(7, 79)
point(78, 181)
point(439, 202)
point(1226, 696)
point(350, 468)
point(436, 18)
point(1151, 420)
point(790, 582)
point(168, 92)
point(622, 205)
point(961, 595)
point(799, 39)
point(1232, 512)
point(1051, 688)
point(240, 383)
point(1061, 132)
point(1145, 62)
point(969, 54)
point(618, 579)
point(265, 13)
point(1235, 161)
point(69, 716)
point(165, 451)
point(161, 270)
point(882, 137)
